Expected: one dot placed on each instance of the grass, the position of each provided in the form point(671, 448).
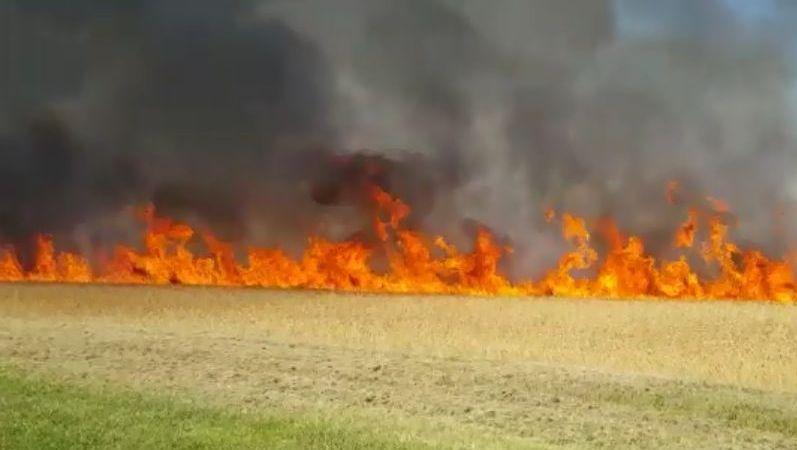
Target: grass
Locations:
point(734, 409)
point(39, 414)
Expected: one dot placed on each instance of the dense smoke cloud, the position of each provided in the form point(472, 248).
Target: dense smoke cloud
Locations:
point(263, 119)
point(587, 106)
point(184, 103)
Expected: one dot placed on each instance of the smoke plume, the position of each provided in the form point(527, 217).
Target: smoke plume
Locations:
point(262, 120)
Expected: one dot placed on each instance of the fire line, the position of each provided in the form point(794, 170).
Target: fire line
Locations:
point(425, 265)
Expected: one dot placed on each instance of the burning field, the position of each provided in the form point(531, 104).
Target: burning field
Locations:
point(389, 222)
point(270, 149)
point(419, 264)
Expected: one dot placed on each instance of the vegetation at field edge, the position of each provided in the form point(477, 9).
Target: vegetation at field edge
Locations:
point(38, 414)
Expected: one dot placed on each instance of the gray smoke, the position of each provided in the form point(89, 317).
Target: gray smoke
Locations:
point(263, 119)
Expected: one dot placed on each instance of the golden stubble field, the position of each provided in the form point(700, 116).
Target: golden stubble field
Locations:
point(549, 371)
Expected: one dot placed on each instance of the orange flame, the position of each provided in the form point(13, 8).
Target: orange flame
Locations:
point(420, 264)
point(718, 205)
point(685, 235)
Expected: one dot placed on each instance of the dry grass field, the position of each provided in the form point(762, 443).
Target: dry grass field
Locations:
point(461, 371)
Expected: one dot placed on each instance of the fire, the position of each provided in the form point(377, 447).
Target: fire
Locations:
point(422, 264)
point(685, 235)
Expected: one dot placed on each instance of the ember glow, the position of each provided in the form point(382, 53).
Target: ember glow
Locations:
point(423, 264)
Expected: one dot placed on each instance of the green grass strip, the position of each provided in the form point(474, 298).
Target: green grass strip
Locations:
point(39, 414)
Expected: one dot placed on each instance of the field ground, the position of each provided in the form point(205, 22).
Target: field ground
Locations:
point(397, 371)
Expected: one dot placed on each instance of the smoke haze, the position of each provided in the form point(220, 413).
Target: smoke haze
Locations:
point(262, 119)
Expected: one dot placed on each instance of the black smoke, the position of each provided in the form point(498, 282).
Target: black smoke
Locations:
point(191, 105)
point(262, 120)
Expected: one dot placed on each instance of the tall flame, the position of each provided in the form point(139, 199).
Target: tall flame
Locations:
point(420, 264)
